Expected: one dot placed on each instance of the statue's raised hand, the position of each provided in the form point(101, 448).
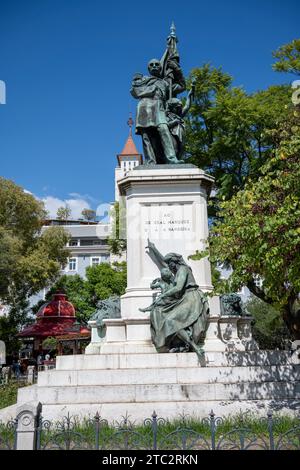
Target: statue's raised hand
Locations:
point(150, 245)
point(173, 65)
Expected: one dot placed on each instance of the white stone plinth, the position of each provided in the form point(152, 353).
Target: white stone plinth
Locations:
point(245, 334)
point(229, 333)
point(96, 339)
point(128, 335)
point(213, 341)
point(168, 205)
point(115, 330)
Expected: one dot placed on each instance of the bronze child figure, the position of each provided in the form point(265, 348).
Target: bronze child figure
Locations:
point(165, 282)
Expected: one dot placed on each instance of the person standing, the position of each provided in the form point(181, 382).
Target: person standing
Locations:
point(151, 120)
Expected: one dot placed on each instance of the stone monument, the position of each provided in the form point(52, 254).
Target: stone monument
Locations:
point(170, 347)
point(166, 202)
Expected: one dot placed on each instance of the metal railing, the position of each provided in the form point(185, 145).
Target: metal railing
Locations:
point(20, 379)
point(156, 433)
point(48, 366)
point(27, 378)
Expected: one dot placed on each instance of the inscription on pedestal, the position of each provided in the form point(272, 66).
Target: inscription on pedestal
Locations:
point(167, 221)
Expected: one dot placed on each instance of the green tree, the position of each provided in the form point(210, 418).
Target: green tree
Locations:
point(250, 144)
point(269, 329)
point(117, 239)
point(105, 280)
point(30, 258)
point(288, 58)
point(258, 231)
point(63, 213)
point(50, 343)
point(227, 129)
point(89, 214)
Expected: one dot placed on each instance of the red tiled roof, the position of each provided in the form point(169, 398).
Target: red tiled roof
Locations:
point(129, 147)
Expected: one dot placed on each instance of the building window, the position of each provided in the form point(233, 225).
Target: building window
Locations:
point(72, 264)
point(101, 241)
point(95, 241)
point(86, 242)
point(95, 260)
point(74, 242)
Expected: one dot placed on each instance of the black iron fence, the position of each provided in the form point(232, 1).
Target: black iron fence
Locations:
point(211, 433)
point(7, 375)
point(19, 380)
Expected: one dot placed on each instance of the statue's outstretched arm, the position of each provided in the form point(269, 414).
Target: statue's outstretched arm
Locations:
point(156, 256)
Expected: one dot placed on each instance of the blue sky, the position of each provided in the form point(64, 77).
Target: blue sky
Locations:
point(67, 65)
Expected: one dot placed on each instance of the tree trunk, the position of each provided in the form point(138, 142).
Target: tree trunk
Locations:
point(291, 316)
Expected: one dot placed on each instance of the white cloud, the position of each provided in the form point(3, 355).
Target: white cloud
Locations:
point(76, 206)
point(86, 197)
point(77, 203)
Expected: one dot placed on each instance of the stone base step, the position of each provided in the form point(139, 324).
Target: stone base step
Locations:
point(137, 412)
point(170, 384)
point(130, 393)
point(156, 360)
point(179, 375)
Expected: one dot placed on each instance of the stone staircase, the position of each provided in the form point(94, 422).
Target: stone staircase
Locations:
point(171, 384)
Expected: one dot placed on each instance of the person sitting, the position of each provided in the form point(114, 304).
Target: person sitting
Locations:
point(180, 314)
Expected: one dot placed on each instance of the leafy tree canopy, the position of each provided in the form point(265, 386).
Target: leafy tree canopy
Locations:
point(29, 258)
point(288, 58)
point(105, 280)
point(258, 231)
point(227, 129)
point(89, 214)
point(269, 329)
point(250, 143)
point(64, 212)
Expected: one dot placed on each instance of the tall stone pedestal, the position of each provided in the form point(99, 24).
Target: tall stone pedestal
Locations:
point(166, 204)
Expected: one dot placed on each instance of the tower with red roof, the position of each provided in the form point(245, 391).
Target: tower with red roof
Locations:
point(127, 159)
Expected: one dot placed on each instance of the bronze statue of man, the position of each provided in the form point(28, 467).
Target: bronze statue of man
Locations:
point(151, 120)
point(165, 82)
